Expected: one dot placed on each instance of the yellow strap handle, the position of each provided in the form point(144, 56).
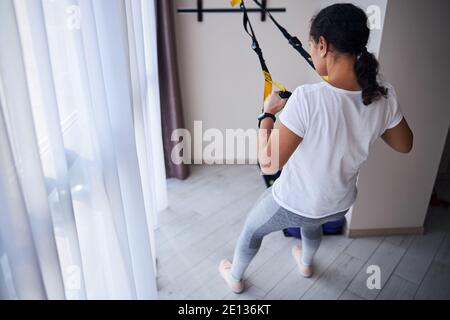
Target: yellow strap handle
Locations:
point(234, 3)
point(269, 83)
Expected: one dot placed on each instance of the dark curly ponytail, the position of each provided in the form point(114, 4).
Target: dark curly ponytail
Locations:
point(345, 27)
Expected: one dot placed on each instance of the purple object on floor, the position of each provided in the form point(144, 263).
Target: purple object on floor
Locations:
point(330, 228)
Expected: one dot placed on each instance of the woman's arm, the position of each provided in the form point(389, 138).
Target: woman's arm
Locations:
point(275, 145)
point(400, 138)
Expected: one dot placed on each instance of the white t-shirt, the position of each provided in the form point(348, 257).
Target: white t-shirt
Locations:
point(338, 130)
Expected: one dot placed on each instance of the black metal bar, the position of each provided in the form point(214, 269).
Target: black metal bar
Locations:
point(200, 10)
point(264, 13)
point(231, 10)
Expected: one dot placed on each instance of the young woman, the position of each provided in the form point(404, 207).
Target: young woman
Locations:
point(322, 139)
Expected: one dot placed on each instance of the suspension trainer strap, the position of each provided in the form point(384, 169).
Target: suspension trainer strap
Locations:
point(293, 41)
point(268, 81)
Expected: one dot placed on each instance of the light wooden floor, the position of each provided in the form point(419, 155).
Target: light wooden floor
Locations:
point(207, 213)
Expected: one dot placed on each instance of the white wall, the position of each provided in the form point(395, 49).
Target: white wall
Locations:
point(221, 78)
point(395, 189)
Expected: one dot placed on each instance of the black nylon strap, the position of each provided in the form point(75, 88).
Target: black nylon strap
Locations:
point(293, 41)
point(255, 44)
point(284, 94)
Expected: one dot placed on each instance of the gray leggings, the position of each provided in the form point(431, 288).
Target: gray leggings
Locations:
point(267, 217)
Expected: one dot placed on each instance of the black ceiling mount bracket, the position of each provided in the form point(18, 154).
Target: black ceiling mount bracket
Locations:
point(201, 10)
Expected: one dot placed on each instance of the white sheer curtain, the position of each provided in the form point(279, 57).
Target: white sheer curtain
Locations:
point(81, 157)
